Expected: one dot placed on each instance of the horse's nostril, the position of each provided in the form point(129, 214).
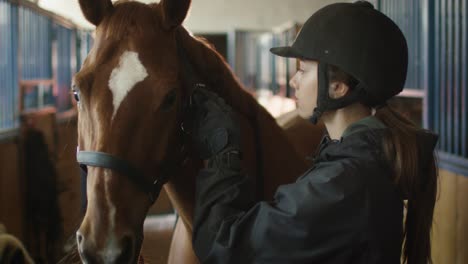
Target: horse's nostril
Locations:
point(128, 246)
point(79, 241)
point(79, 238)
point(82, 250)
point(122, 252)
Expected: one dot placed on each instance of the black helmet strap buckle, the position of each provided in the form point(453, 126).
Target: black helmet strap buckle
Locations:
point(324, 102)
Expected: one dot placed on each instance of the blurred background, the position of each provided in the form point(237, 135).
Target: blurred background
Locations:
point(44, 42)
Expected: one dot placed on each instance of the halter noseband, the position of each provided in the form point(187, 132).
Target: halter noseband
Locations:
point(107, 161)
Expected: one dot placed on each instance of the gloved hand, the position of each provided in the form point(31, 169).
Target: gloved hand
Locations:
point(211, 125)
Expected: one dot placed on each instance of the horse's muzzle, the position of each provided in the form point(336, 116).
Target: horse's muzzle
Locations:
point(120, 251)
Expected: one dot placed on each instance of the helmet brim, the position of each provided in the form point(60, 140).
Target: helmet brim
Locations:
point(287, 52)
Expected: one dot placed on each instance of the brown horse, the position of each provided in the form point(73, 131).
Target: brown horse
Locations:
point(133, 89)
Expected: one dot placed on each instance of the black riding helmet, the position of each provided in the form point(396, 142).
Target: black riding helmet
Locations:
point(362, 42)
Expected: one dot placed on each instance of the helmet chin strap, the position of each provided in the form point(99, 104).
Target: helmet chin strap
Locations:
point(322, 92)
point(324, 102)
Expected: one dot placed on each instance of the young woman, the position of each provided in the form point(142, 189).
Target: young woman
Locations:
point(374, 163)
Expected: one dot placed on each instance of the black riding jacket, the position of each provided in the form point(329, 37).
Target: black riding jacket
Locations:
point(344, 209)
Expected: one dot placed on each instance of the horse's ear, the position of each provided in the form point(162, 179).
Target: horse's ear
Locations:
point(174, 12)
point(95, 10)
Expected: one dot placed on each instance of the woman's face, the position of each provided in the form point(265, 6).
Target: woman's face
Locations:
point(305, 82)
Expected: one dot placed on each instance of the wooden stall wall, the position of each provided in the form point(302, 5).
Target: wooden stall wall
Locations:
point(11, 202)
point(450, 228)
point(12, 194)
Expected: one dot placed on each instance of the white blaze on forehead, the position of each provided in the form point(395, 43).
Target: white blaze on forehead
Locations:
point(128, 73)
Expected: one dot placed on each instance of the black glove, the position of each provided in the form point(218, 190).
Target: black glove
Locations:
point(211, 125)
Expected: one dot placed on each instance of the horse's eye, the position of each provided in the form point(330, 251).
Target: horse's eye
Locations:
point(76, 93)
point(169, 101)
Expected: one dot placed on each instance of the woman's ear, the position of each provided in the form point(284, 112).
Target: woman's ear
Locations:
point(338, 90)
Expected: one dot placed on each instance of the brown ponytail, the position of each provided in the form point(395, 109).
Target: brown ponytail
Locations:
point(418, 187)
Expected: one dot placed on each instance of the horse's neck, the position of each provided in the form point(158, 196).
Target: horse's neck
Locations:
point(268, 156)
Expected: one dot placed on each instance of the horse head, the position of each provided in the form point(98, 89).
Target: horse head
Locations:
point(130, 99)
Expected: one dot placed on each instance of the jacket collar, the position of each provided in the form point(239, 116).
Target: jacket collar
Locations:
point(366, 123)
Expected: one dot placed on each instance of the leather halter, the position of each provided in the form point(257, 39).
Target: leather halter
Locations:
point(134, 174)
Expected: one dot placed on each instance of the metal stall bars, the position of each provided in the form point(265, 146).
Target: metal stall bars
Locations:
point(65, 65)
point(243, 57)
point(285, 35)
point(84, 42)
point(448, 93)
point(265, 64)
point(407, 15)
point(8, 65)
point(32, 40)
point(437, 38)
point(35, 39)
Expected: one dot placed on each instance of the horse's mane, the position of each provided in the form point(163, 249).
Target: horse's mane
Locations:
point(213, 68)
